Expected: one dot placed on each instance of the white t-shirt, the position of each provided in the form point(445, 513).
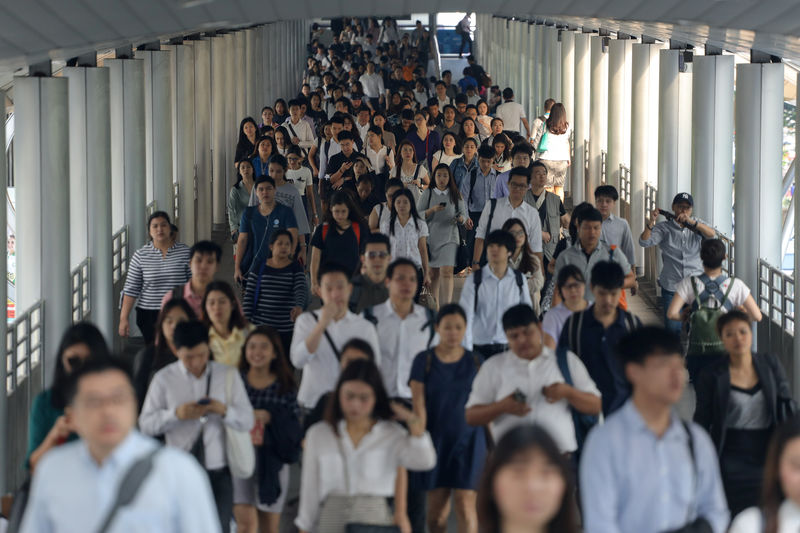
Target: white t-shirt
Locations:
point(739, 291)
point(300, 178)
point(554, 320)
point(443, 158)
point(504, 373)
point(557, 146)
point(512, 114)
point(405, 241)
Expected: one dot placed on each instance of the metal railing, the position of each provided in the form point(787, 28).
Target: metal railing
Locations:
point(729, 264)
point(625, 193)
point(175, 192)
point(603, 167)
point(651, 255)
point(25, 380)
point(81, 304)
point(776, 329)
point(586, 157)
point(119, 255)
point(151, 208)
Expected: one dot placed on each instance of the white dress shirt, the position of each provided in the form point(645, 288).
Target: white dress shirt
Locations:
point(512, 114)
point(401, 340)
point(528, 214)
point(372, 84)
point(378, 159)
point(173, 386)
point(304, 132)
point(494, 298)
point(371, 467)
point(751, 520)
point(321, 368)
point(501, 375)
point(363, 129)
point(71, 493)
point(333, 149)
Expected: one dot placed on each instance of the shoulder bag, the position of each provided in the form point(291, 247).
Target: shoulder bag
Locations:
point(238, 444)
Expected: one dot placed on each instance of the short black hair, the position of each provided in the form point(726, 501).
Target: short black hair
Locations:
point(606, 191)
point(524, 147)
point(537, 164)
point(294, 150)
point(647, 341)
point(501, 238)
point(712, 253)
point(332, 268)
point(729, 317)
point(346, 135)
point(508, 92)
point(519, 316)
point(190, 334)
point(607, 275)
point(520, 171)
point(590, 214)
point(361, 345)
point(433, 101)
point(564, 275)
point(450, 309)
point(278, 159)
point(264, 179)
point(158, 214)
point(206, 248)
point(378, 238)
point(97, 366)
point(461, 98)
point(401, 261)
point(486, 152)
point(294, 102)
point(279, 232)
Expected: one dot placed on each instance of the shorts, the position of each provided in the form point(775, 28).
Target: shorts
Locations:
point(245, 492)
point(556, 172)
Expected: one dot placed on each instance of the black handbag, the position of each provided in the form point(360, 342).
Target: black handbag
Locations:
point(368, 528)
point(463, 260)
point(18, 507)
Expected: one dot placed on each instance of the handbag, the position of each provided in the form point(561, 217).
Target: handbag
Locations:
point(543, 142)
point(238, 444)
point(355, 513)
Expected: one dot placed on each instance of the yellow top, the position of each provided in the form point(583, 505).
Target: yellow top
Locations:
point(228, 351)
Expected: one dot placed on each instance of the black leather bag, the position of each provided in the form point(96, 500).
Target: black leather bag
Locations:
point(18, 507)
point(700, 525)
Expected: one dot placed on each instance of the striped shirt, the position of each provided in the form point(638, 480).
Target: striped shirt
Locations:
point(151, 275)
point(272, 293)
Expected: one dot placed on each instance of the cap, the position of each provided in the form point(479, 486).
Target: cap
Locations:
point(683, 197)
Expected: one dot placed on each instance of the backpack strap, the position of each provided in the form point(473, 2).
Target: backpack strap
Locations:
point(630, 323)
point(257, 290)
point(473, 177)
point(336, 351)
point(369, 314)
point(430, 325)
point(357, 230)
point(725, 303)
point(325, 229)
point(563, 364)
point(493, 206)
point(428, 363)
point(416, 171)
point(520, 282)
point(477, 278)
point(693, 456)
point(177, 292)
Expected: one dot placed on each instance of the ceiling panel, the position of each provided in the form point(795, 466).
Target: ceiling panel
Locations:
point(124, 21)
point(80, 16)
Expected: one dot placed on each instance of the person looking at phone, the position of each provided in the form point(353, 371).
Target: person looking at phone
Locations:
point(679, 239)
point(525, 384)
point(340, 166)
point(188, 403)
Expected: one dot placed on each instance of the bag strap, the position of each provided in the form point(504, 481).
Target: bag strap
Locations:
point(477, 278)
point(302, 150)
point(177, 292)
point(693, 456)
point(563, 364)
point(493, 203)
point(131, 482)
point(430, 324)
point(520, 283)
point(473, 177)
point(416, 171)
point(336, 351)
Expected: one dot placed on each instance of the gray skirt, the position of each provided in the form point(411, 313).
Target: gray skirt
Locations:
point(444, 255)
point(245, 492)
point(338, 510)
point(556, 172)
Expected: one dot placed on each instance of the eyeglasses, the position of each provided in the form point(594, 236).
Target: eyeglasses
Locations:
point(575, 285)
point(518, 185)
point(376, 255)
point(518, 233)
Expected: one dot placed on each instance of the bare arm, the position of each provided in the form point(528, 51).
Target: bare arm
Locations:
point(127, 306)
point(241, 247)
point(752, 309)
point(675, 306)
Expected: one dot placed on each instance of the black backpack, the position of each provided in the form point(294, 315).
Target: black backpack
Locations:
point(430, 324)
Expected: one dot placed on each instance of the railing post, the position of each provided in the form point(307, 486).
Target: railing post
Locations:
point(4, 429)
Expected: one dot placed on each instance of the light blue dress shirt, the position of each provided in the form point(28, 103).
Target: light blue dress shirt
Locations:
point(71, 493)
point(483, 191)
point(634, 482)
point(680, 251)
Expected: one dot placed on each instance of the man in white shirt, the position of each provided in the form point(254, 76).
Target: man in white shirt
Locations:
point(319, 335)
point(441, 94)
point(488, 292)
point(362, 122)
point(75, 485)
point(497, 211)
point(372, 83)
point(525, 385)
point(301, 132)
point(406, 328)
point(513, 114)
point(191, 401)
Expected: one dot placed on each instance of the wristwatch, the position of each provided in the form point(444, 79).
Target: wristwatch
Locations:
point(476, 262)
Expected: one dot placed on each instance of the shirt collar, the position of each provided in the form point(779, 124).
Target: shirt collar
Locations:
point(120, 456)
point(546, 353)
point(416, 310)
point(620, 320)
point(188, 374)
point(634, 420)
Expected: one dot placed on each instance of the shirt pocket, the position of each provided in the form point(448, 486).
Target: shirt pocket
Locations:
point(373, 464)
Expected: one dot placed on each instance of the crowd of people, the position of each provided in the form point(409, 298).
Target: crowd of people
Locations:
point(402, 404)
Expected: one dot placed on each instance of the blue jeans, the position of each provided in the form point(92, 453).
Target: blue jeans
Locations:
point(674, 326)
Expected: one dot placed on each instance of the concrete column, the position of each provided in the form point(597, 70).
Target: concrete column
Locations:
point(619, 108)
point(759, 144)
point(231, 117)
point(158, 126)
point(202, 147)
point(185, 140)
point(568, 73)
point(598, 113)
point(128, 153)
point(219, 128)
point(580, 121)
point(239, 72)
point(90, 186)
point(544, 79)
point(530, 64)
point(712, 139)
point(644, 133)
point(41, 156)
point(674, 120)
point(554, 60)
point(260, 72)
point(251, 71)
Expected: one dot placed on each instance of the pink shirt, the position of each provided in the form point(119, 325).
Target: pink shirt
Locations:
point(195, 301)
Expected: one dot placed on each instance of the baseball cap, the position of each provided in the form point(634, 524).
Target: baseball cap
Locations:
point(683, 198)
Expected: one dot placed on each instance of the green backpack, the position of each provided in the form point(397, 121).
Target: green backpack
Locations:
point(703, 338)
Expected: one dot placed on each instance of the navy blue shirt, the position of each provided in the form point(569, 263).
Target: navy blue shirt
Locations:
point(597, 351)
point(259, 228)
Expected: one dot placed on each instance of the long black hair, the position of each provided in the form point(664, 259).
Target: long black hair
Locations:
point(278, 366)
point(772, 493)
point(452, 188)
point(243, 140)
point(529, 262)
point(367, 372)
point(237, 319)
point(80, 333)
point(518, 441)
point(163, 354)
point(393, 216)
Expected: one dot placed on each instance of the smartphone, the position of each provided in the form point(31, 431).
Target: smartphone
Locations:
point(519, 396)
point(442, 204)
point(204, 401)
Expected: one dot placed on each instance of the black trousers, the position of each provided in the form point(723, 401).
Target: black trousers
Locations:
point(146, 320)
point(475, 216)
point(465, 39)
point(222, 487)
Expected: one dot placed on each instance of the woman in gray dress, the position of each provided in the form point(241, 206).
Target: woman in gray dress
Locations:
point(443, 209)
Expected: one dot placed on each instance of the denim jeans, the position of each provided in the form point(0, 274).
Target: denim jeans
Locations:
point(673, 326)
